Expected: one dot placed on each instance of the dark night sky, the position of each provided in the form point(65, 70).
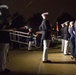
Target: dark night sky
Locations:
point(28, 7)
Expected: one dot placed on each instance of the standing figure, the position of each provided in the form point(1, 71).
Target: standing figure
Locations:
point(72, 39)
point(75, 39)
point(45, 28)
point(4, 38)
point(62, 35)
point(31, 36)
point(66, 37)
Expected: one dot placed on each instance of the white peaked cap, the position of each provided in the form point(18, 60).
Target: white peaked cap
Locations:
point(71, 22)
point(4, 6)
point(0, 13)
point(66, 22)
point(43, 14)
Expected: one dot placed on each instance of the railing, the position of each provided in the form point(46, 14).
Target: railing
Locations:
point(21, 37)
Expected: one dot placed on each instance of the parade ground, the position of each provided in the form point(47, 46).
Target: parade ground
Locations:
point(24, 62)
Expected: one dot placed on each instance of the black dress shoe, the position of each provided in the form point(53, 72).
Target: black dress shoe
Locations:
point(6, 71)
point(72, 57)
point(48, 61)
point(44, 61)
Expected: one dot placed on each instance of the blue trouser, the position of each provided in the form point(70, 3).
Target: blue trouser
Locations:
point(72, 46)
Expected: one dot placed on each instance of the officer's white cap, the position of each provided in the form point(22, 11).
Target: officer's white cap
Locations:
point(4, 6)
point(71, 22)
point(62, 24)
point(66, 22)
point(43, 14)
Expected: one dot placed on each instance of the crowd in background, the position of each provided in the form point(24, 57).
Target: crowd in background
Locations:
point(68, 37)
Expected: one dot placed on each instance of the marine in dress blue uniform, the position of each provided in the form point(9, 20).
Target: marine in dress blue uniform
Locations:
point(62, 35)
point(66, 38)
point(4, 38)
point(45, 28)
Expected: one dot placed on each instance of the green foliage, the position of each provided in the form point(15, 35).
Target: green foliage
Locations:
point(56, 44)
